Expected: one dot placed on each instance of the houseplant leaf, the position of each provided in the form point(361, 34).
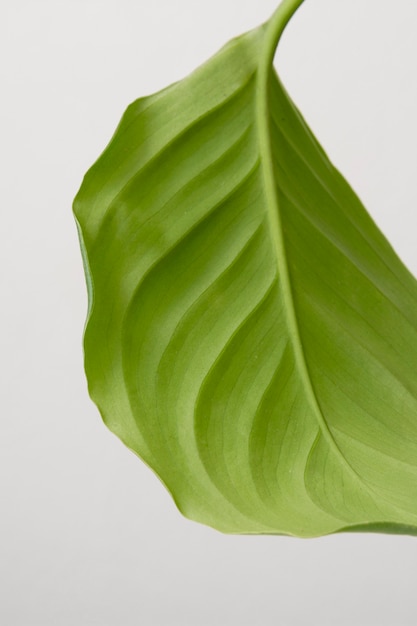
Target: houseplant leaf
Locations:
point(251, 334)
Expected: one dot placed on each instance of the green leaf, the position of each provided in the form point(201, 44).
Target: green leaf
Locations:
point(251, 334)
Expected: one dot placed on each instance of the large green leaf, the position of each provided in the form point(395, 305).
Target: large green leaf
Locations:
point(251, 333)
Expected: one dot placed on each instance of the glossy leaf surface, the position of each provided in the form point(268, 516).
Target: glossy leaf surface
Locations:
point(251, 334)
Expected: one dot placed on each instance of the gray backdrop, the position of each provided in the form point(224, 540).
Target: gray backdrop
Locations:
point(88, 536)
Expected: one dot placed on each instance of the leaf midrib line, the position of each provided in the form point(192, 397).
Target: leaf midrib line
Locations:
point(274, 29)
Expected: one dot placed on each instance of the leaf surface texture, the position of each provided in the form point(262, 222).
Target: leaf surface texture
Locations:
point(251, 334)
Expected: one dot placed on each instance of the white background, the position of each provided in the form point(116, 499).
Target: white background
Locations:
point(88, 536)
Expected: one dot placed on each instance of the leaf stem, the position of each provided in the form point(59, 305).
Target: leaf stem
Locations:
point(275, 26)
